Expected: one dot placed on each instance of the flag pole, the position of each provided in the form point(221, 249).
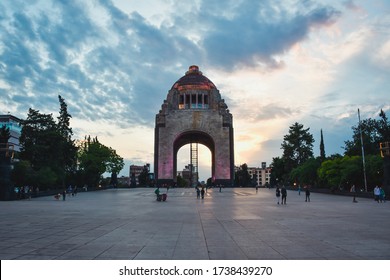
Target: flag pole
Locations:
point(364, 162)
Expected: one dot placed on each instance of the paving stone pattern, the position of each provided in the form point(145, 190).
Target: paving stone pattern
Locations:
point(233, 224)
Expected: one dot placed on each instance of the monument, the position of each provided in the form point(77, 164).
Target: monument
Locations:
point(194, 112)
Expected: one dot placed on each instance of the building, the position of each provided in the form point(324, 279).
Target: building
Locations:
point(135, 171)
point(260, 175)
point(190, 175)
point(194, 113)
point(15, 129)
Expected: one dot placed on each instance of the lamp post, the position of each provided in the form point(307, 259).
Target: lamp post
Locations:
point(364, 162)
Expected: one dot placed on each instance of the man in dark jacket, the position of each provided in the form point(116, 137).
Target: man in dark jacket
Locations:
point(284, 195)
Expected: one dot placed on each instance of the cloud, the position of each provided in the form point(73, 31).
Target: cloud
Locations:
point(124, 59)
point(255, 34)
point(116, 65)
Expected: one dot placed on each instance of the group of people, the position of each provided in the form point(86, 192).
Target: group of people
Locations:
point(25, 192)
point(282, 193)
point(200, 192)
point(379, 194)
point(70, 191)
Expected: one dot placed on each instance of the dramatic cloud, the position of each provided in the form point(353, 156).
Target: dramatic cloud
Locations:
point(275, 62)
point(255, 34)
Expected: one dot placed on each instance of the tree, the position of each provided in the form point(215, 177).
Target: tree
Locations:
point(242, 177)
point(330, 172)
point(114, 166)
point(37, 140)
point(383, 127)
point(322, 148)
point(278, 173)
point(342, 172)
point(143, 177)
point(297, 146)
point(306, 173)
point(373, 132)
point(96, 159)
point(181, 182)
point(67, 146)
point(49, 145)
point(22, 173)
point(351, 171)
point(374, 171)
point(4, 135)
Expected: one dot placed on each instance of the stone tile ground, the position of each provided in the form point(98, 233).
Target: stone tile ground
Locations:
point(234, 224)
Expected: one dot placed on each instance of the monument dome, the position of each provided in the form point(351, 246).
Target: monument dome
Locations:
point(193, 80)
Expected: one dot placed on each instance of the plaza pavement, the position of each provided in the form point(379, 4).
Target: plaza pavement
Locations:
point(233, 224)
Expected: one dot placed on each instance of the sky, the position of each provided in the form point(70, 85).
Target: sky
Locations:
point(274, 62)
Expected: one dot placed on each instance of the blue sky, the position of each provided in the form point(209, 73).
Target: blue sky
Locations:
point(274, 62)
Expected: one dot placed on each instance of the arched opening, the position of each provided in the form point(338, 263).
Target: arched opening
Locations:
point(204, 164)
point(193, 137)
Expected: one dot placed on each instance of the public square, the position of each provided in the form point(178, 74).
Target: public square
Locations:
point(237, 223)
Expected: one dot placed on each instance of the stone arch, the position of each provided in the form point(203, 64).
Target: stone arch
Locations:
point(194, 112)
point(194, 136)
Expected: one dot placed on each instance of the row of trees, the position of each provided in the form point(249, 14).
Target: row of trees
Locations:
point(50, 157)
point(298, 166)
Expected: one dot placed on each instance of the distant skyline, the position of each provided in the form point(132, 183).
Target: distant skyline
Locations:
point(274, 63)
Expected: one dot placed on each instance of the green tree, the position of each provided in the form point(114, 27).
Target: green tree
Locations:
point(306, 173)
point(322, 148)
point(114, 165)
point(67, 159)
point(22, 173)
point(37, 140)
point(4, 135)
point(373, 132)
point(181, 182)
point(297, 146)
point(342, 172)
point(374, 171)
point(278, 171)
point(383, 127)
point(242, 177)
point(351, 171)
point(330, 172)
point(95, 159)
point(143, 177)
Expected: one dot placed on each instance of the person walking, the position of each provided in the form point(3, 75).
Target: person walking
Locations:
point(197, 192)
point(284, 195)
point(377, 193)
point(157, 192)
point(202, 192)
point(277, 194)
point(382, 194)
point(353, 191)
point(299, 190)
point(307, 194)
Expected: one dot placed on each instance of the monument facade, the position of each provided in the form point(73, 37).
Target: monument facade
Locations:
point(194, 112)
